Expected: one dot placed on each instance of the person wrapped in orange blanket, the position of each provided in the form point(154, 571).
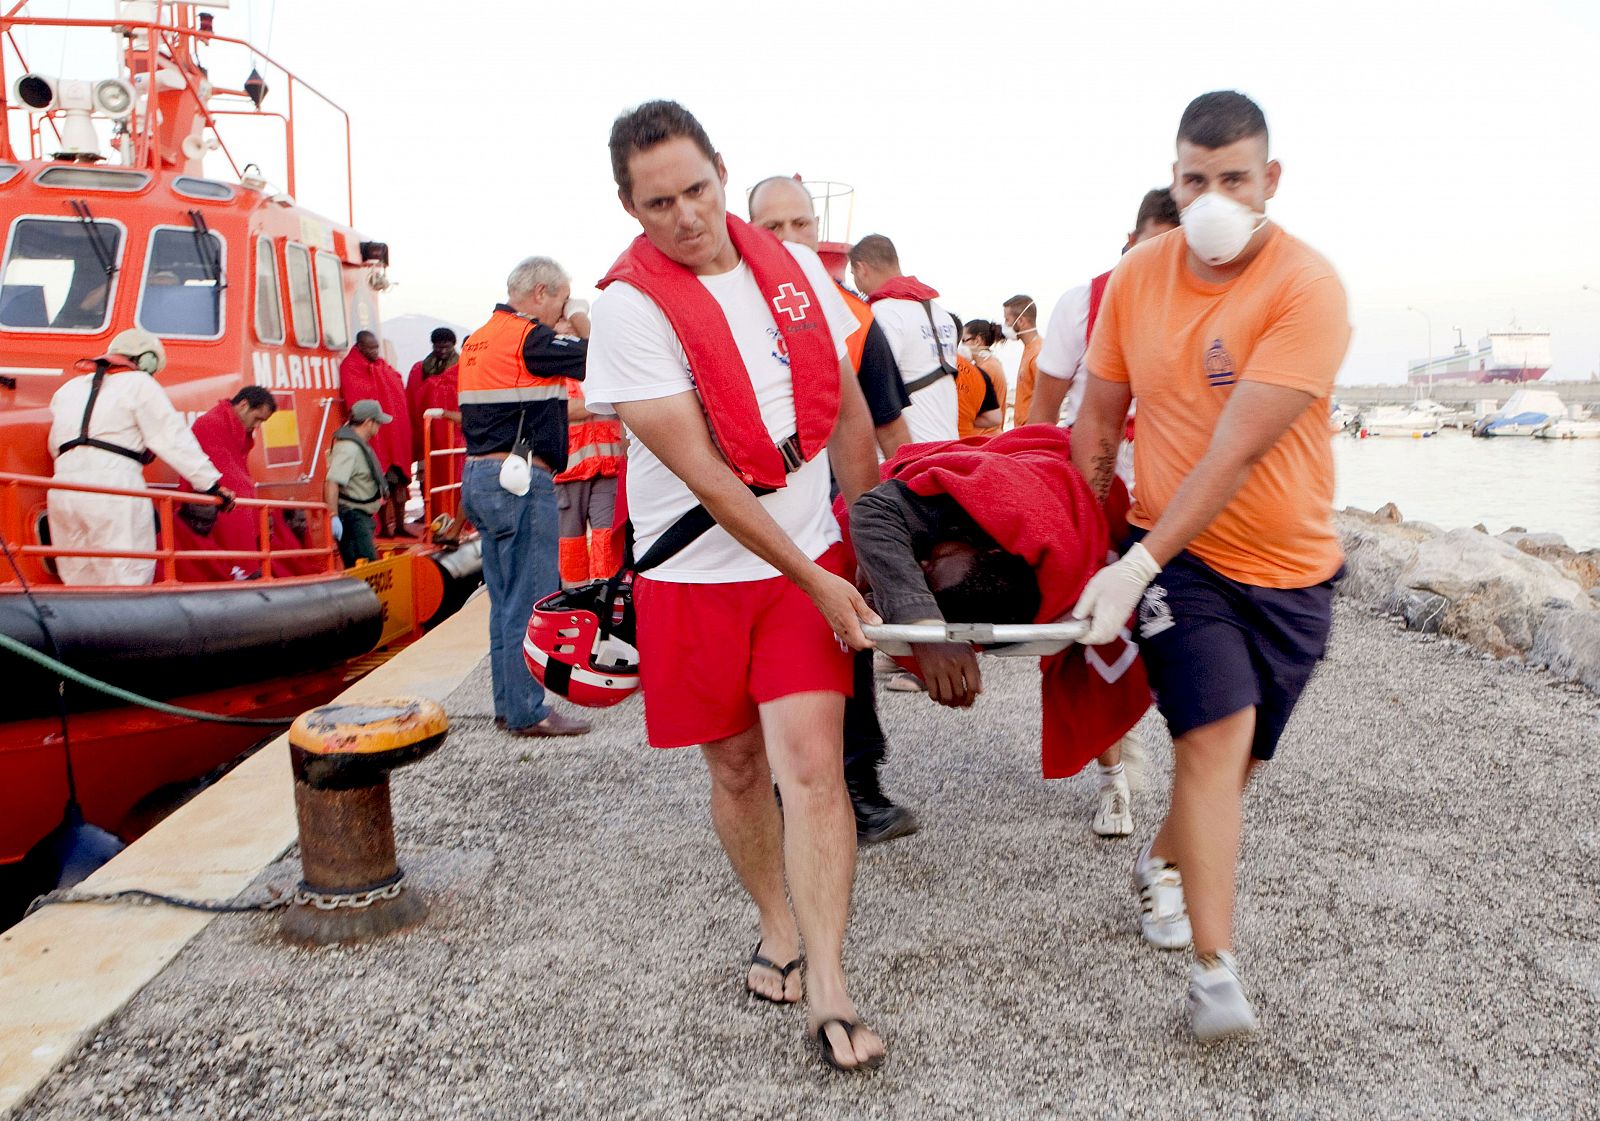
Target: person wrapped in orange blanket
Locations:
point(1001, 530)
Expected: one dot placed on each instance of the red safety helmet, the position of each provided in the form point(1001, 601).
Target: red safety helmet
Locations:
point(582, 644)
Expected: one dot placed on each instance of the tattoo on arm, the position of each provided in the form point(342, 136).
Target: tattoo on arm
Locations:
point(1104, 464)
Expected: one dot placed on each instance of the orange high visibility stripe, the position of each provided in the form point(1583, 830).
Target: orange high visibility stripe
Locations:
point(573, 556)
point(595, 447)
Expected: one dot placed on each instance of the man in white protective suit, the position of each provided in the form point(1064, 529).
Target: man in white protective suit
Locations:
point(106, 425)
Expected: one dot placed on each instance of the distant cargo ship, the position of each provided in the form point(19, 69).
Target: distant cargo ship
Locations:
point(1513, 356)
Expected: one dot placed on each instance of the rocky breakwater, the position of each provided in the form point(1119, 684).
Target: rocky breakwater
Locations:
point(1515, 595)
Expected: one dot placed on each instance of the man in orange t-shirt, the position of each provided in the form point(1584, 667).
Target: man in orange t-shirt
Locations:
point(1229, 332)
point(1022, 322)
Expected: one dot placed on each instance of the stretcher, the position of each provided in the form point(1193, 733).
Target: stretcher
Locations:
point(1004, 640)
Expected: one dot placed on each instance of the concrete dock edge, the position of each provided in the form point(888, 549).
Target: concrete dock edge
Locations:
point(66, 969)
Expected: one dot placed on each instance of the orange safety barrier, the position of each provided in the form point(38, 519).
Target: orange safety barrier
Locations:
point(168, 554)
point(441, 468)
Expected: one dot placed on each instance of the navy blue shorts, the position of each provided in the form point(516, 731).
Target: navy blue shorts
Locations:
point(1213, 646)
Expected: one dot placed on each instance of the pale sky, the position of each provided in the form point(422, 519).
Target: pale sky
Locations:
point(1442, 156)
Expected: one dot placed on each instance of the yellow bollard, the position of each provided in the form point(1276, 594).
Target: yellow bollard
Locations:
point(351, 885)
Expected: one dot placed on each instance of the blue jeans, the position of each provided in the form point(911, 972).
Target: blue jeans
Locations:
point(519, 567)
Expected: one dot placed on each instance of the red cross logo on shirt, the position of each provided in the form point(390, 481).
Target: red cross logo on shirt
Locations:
point(791, 301)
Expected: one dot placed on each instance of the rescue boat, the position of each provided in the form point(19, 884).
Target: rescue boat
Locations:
point(112, 221)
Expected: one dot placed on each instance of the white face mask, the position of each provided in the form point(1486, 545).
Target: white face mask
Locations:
point(1218, 229)
point(1009, 330)
point(515, 474)
point(965, 351)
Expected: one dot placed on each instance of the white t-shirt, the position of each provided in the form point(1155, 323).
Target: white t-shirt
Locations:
point(932, 412)
point(634, 355)
point(1065, 347)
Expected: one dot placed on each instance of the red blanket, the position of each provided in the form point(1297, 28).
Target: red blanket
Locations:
point(719, 373)
point(1022, 490)
point(359, 380)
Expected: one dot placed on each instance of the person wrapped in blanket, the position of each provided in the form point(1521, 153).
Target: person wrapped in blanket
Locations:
point(1005, 530)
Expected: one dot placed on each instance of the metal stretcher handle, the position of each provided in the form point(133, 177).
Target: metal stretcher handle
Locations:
point(1019, 639)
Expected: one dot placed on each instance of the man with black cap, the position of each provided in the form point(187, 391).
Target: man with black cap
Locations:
point(356, 489)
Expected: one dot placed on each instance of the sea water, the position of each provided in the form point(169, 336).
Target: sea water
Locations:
point(1452, 480)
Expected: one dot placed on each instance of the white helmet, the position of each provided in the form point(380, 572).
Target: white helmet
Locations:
point(143, 348)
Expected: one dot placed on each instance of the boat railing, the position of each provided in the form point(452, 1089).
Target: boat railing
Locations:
point(14, 508)
point(441, 468)
point(162, 46)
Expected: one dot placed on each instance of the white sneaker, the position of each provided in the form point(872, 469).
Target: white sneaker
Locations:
point(1163, 919)
point(1218, 1006)
point(1115, 816)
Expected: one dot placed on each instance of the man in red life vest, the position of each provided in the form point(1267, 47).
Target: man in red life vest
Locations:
point(364, 375)
point(923, 337)
point(226, 433)
point(782, 205)
point(708, 325)
point(1065, 376)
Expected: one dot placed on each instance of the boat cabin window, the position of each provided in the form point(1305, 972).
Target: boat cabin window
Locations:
point(92, 179)
point(302, 303)
point(269, 301)
point(59, 274)
point(330, 294)
point(202, 188)
point(8, 172)
point(183, 284)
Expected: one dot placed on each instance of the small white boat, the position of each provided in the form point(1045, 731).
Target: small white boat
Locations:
point(1568, 429)
point(1398, 420)
point(1528, 411)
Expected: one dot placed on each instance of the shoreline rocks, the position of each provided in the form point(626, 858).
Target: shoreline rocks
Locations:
point(1517, 594)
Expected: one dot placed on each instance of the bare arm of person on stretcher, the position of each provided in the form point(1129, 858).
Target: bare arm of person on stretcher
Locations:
point(674, 429)
point(884, 528)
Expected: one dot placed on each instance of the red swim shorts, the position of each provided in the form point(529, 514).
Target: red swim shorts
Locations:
point(710, 653)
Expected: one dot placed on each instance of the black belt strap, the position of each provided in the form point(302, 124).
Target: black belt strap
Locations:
point(945, 369)
point(924, 381)
point(938, 347)
point(84, 440)
point(688, 529)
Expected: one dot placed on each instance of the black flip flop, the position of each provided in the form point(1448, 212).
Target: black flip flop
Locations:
point(825, 1044)
point(782, 971)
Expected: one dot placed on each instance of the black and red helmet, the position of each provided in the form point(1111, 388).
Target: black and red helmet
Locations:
point(582, 643)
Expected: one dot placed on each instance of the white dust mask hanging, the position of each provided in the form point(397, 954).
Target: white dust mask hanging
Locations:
point(1218, 229)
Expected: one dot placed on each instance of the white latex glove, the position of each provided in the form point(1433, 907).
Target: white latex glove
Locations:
point(338, 527)
point(1113, 593)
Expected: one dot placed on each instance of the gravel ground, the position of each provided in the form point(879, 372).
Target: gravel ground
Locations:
point(1418, 924)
